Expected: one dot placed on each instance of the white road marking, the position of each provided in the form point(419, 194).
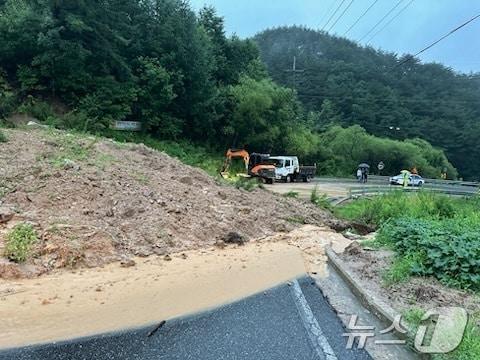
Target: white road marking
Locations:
point(315, 333)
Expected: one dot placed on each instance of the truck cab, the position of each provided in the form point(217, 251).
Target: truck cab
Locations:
point(286, 168)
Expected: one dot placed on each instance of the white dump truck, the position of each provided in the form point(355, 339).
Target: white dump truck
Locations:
point(288, 169)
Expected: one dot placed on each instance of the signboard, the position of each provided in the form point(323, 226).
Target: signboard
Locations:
point(381, 166)
point(127, 126)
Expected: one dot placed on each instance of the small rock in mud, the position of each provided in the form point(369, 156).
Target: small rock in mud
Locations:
point(353, 249)
point(167, 258)
point(222, 195)
point(220, 244)
point(129, 213)
point(5, 215)
point(127, 263)
point(235, 238)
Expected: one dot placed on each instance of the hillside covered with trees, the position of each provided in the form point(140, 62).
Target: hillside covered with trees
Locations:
point(85, 64)
point(346, 84)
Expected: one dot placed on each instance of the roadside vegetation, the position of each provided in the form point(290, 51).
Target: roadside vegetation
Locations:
point(19, 242)
point(432, 235)
point(320, 200)
point(3, 137)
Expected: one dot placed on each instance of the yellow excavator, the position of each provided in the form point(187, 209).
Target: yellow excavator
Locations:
point(256, 165)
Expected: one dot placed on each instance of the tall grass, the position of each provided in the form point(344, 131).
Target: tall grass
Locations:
point(421, 205)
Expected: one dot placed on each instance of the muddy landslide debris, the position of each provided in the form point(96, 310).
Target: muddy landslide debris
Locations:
point(96, 201)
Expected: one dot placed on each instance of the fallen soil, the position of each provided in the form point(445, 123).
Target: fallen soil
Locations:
point(420, 293)
point(69, 304)
point(93, 202)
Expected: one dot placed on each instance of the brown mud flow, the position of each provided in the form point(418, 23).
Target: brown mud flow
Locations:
point(65, 305)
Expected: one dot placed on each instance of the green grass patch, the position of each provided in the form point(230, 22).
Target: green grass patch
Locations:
point(291, 195)
point(401, 269)
point(248, 184)
point(3, 137)
point(19, 242)
point(413, 317)
point(421, 205)
point(71, 146)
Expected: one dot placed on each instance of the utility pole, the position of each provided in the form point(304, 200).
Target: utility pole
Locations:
point(294, 72)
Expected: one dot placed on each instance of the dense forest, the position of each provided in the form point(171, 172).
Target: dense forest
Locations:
point(347, 84)
point(85, 64)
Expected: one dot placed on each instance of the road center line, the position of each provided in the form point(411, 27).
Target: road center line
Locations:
point(315, 333)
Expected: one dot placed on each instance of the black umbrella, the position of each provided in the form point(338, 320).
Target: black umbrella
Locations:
point(364, 166)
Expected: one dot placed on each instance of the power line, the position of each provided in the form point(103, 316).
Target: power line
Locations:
point(361, 17)
point(439, 40)
point(390, 100)
point(327, 12)
point(341, 15)
point(391, 20)
point(333, 15)
point(381, 20)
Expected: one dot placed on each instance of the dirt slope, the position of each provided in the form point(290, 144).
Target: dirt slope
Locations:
point(95, 201)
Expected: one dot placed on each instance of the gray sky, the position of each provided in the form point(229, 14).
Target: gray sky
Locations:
point(423, 22)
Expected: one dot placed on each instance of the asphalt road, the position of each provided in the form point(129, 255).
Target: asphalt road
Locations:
point(289, 322)
point(338, 188)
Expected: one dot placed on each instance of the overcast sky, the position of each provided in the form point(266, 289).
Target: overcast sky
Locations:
point(420, 24)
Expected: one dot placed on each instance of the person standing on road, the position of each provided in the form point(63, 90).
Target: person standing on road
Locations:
point(359, 175)
point(406, 177)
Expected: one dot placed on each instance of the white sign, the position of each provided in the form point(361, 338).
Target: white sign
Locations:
point(127, 126)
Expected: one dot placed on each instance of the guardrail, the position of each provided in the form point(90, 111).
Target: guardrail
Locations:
point(376, 179)
point(359, 191)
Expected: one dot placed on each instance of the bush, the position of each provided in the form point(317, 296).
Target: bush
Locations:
point(38, 109)
point(3, 137)
point(449, 250)
point(19, 242)
point(320, 201)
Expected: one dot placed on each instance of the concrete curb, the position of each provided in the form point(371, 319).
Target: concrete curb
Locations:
point(381, 310)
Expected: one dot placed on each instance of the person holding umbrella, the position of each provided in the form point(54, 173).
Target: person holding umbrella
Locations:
point(364, 168)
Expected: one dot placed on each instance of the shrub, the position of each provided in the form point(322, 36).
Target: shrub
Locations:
point(446, 249)
point(320, 201)
point(19, 242)
point(246, 183)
